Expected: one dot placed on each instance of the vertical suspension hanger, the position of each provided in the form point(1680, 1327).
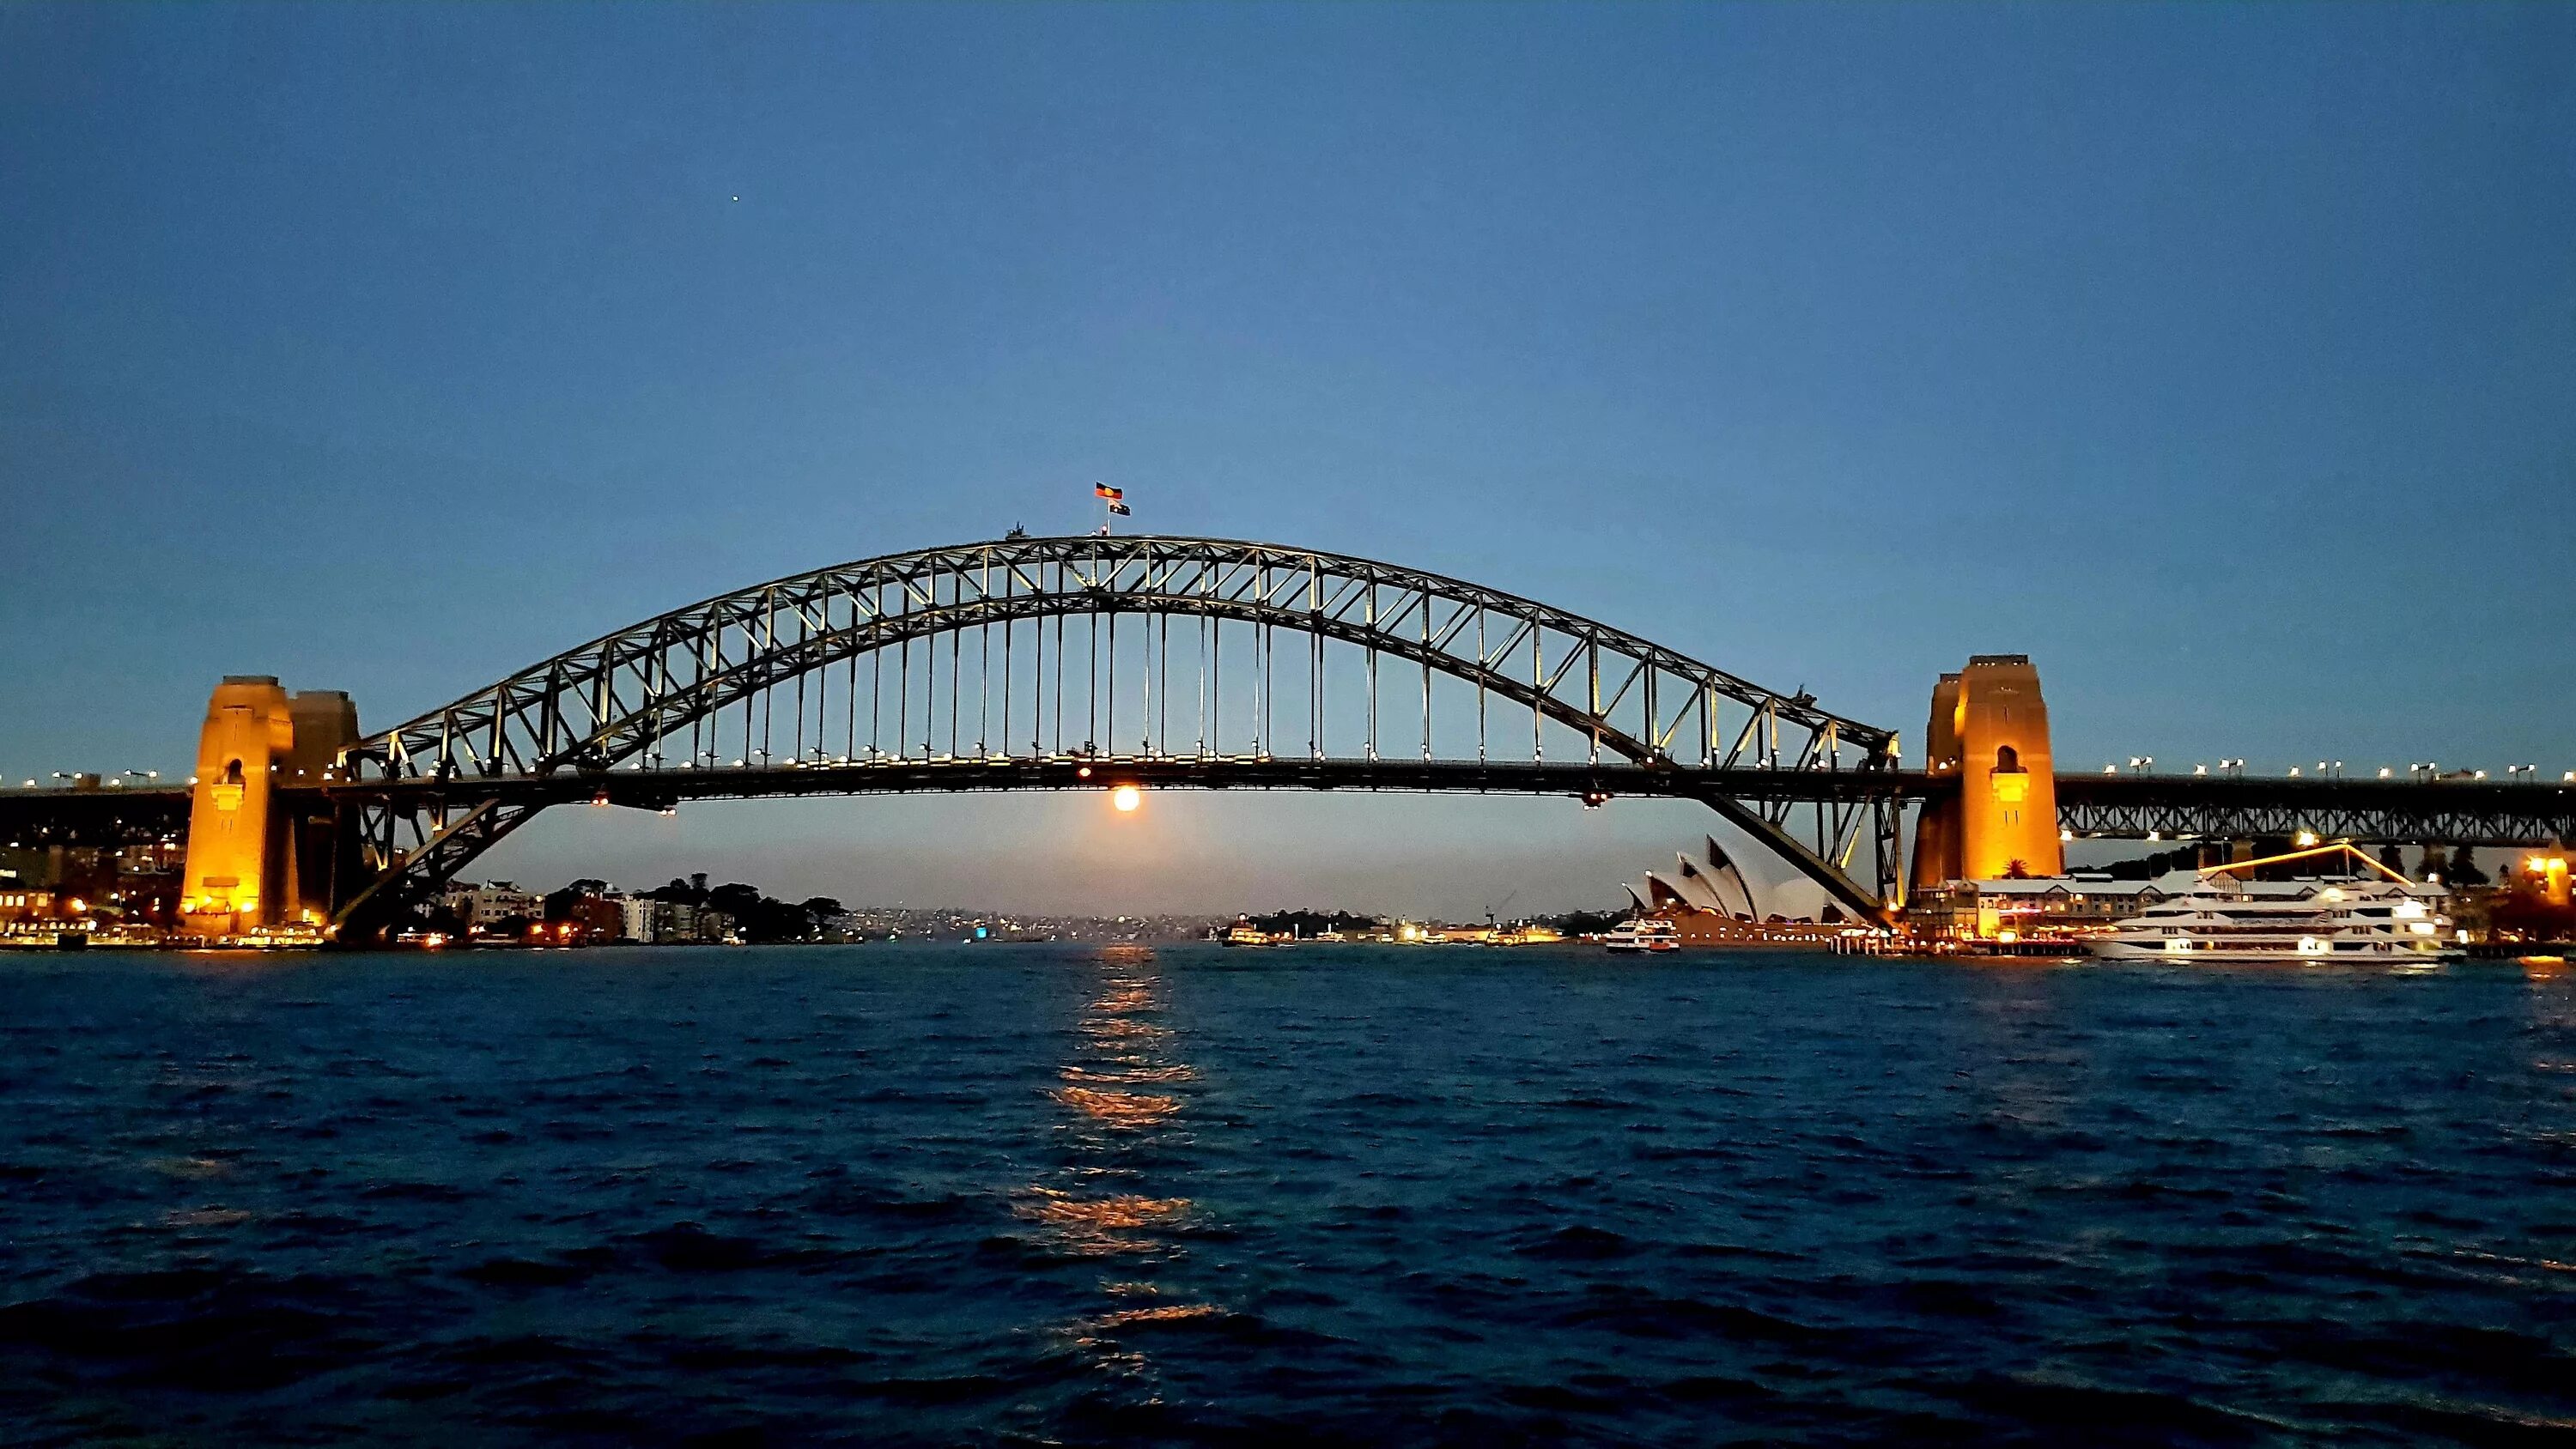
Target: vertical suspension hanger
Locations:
point(1059, 661)
point(1482, 664)
point(1538, 693)
point(854, 639)
point(1372, 667)
point(768, 688)
point(1426, 672)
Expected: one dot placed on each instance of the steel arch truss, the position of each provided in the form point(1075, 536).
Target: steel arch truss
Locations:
point(2364, 811)
point(674, 691)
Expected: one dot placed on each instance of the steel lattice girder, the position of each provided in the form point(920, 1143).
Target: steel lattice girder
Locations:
point(2376, 811)
point(602, 704)
point(610, 703)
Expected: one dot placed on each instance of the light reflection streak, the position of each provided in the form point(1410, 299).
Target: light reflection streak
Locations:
point(1138, 1073)
point(1120, 1108)
point(1165, 1313)
point(1123, 1028)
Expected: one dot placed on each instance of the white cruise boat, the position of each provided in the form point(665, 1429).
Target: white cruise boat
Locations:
point(2215, 916)
point(1645, 933)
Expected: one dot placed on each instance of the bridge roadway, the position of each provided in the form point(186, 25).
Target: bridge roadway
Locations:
point(2128, 806)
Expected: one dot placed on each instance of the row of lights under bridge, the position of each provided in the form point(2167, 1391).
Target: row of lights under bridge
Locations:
point(2427, 771)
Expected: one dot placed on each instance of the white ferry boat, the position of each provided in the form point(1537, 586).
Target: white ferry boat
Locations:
point(2214, 916)
point(1646, 933)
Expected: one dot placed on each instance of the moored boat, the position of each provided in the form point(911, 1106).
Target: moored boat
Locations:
point(1644, 934)
point(2218, 916)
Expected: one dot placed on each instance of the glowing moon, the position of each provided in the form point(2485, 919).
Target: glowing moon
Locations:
point(1126, 798)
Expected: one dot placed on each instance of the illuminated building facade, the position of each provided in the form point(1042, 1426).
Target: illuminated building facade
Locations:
point(24, 905)
point(2547, 877)
point(251, 863)
point(1989, 727)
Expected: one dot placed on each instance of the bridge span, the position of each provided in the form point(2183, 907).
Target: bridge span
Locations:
point(2089, 806)
point(1090, 662)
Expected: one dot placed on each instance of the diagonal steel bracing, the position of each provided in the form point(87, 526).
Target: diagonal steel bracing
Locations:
point(1064, 647)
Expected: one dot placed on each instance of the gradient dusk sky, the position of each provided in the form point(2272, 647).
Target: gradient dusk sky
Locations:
point(2222, 358)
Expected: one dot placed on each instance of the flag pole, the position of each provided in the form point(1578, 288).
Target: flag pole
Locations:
point(1112, 503)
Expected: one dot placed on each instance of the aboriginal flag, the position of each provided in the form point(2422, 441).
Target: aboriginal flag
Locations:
point(1103, 490)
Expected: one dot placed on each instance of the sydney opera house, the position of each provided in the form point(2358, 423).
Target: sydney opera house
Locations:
point(1711, 903)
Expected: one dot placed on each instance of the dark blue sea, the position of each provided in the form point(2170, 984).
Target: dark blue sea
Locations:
point(1065, 1195)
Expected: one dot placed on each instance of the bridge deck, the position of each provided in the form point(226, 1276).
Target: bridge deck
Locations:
point(2111, 806)
point(657, 788)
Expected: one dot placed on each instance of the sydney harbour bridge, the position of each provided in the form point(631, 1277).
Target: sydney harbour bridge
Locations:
point(1094, 662)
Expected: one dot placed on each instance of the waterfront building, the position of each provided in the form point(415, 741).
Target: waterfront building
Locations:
point(2016, 909)
point(17, 905)
point(594, 918)
point(636, 918)
point(484, 906)
point(1710, 885)
point(1712, 903)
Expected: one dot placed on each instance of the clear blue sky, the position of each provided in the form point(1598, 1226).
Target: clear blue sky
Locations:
point(2222, 358)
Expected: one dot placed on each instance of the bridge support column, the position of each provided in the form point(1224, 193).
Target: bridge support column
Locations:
point(1989, 732)
point(256, 858)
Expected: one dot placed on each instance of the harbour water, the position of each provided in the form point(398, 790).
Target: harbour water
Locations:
point(1043, 1194)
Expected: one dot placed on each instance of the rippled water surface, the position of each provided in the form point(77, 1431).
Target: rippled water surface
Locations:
point(1072, 1195)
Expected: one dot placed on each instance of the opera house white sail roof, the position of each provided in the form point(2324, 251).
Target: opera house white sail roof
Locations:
point(1710, 885)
